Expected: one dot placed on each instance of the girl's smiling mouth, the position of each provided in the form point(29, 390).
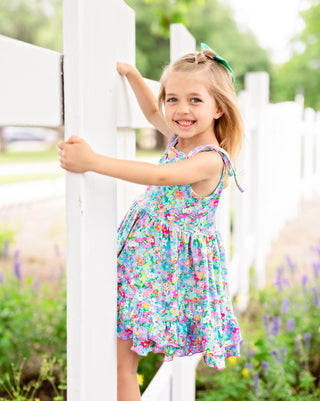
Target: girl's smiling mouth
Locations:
point(185, 123)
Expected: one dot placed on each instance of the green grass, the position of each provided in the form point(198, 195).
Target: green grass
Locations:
point(11, 179)
point(52, 155)
point(149, 153)
point(29, 157)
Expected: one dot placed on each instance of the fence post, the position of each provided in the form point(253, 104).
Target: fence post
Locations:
point(257, 87)
point(93, 41)
point(181, 41)
point(242, 231)
point(308, 151)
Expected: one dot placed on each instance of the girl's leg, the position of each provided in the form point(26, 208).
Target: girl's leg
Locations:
point(127, 360)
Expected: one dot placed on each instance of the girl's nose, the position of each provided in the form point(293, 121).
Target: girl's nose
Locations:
point(183, 108)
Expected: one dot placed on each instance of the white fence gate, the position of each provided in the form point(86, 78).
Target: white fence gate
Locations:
point(280, 163)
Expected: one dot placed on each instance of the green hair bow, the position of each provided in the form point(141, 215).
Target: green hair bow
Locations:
point(219, 59)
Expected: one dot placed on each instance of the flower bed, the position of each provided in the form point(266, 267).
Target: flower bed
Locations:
point(280, 354)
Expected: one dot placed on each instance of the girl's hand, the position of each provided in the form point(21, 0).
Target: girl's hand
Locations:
point(124, 68)
point(76, 155)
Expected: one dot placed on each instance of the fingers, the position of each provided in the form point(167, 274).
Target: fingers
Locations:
point(124, 68)
point(120, 68)
point(74, 139)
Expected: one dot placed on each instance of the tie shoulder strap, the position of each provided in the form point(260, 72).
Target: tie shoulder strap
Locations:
point(225, 157)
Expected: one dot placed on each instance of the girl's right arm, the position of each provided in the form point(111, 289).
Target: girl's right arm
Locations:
point(77, 156)
point(145, 97)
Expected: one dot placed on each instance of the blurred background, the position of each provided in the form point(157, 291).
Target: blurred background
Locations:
point(279, 37)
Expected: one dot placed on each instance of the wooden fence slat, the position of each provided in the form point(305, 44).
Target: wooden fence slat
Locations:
point(94, 41)
point(181, 41)
point(30, 85)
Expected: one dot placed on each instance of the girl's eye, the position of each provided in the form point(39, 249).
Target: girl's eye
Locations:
point(195, 100)
point(171, 100)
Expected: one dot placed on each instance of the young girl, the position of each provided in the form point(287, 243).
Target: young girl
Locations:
point(173, 294)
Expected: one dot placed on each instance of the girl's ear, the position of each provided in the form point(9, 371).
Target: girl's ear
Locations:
point(218, 112)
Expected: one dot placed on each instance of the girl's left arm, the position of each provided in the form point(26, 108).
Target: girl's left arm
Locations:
point(78, 157)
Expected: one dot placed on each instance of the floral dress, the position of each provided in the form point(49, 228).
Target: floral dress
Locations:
point(173, 293)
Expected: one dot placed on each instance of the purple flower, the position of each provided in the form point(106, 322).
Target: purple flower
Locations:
point(275, 353)
point(249, 365)
point(316, 269)
point(290, 324)
point(283, 352)
point(315, 296)
point(276, 321)
point(316, 248)
point(1, 277)
point(285, 281)
point(291, 264)
point(256, 383)
point(264, 367)
point(285, 305)
point(304, 281)
point(265, 319)
point(298, 345)
point(278, 281)
point(250, 353)
point(17, 269)
point(307, 338)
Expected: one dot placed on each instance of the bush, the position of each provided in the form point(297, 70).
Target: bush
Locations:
point(280, 355)
point(32, 338)
point(32, 321)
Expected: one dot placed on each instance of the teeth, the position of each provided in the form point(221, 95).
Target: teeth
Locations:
point(185, 122)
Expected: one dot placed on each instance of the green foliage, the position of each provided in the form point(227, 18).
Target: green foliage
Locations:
point(214, 25)
point(13, 387)
point(32, 326)
point(302, 70)
point(280, 356)
point(33, 21)
point(210, 22)
point(148, 366)
point(6, 237)
point(162, 13)
point(32, 321)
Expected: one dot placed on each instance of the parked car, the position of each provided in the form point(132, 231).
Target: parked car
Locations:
point(29, 138)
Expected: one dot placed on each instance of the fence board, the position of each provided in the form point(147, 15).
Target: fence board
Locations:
point(93, 41)
point(30, 85)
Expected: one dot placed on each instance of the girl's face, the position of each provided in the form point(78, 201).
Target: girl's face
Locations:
point(190, 110)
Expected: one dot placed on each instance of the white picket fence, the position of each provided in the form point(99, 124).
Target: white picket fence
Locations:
point(279, 165)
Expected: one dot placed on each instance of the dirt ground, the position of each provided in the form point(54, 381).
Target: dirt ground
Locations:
point(297, 240)
point(40, 239)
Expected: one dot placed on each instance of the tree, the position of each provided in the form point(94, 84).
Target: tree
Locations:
point(214, 24)
point(33, 21)
point(302, 70)
point(210, 22)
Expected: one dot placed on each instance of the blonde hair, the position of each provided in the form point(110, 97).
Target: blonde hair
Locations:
point(228, 128)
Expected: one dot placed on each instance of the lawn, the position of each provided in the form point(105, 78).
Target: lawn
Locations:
point(11, 179)
point(29, 157)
